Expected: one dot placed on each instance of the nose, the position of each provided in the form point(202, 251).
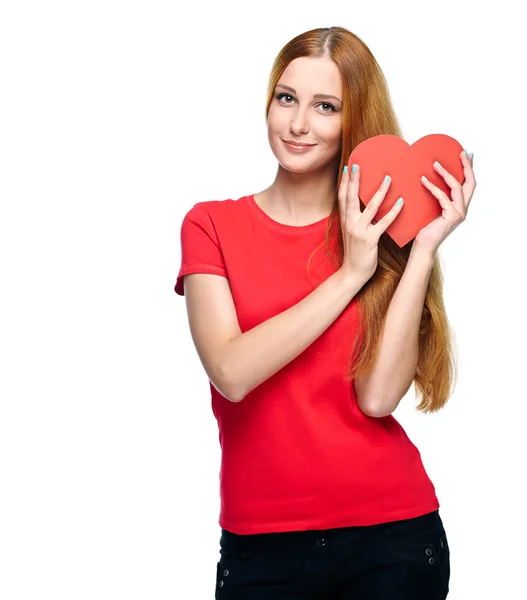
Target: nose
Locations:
point(299, 124)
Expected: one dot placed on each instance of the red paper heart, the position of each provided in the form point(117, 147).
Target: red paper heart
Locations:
point(386, 154)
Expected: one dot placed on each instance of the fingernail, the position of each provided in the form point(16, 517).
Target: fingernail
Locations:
point(423, 177)
point(466, 153)
point(472, 155)
point(400, 201)
point(353, 168)
point(346, 170)
point(386, 179)
point(437, 163)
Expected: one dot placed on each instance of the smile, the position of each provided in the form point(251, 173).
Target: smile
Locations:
point(295, 148)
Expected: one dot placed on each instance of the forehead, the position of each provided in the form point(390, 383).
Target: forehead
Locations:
point(313, 75)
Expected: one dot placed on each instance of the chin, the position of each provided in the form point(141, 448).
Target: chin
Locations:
point(288, 165)
point(300, 163)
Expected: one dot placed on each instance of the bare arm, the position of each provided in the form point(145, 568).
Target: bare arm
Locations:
point(236, 362)
point(395, 366)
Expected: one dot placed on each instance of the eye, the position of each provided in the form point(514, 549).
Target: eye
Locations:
point(280, 96)
point(331, 107)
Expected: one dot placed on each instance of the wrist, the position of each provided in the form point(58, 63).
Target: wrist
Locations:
point(426, 254)
point(351, 280)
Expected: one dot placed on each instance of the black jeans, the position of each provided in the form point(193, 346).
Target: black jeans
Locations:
point(399, 560)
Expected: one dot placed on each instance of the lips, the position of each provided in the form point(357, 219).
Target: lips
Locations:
point(298, 144)
point(292, 147)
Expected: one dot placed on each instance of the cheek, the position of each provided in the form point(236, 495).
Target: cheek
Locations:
point(277, 121)
point(332, 131)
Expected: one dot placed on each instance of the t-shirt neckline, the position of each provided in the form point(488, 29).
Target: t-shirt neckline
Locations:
point(283, 227)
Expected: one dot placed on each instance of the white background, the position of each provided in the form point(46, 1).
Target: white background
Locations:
point(116, 118)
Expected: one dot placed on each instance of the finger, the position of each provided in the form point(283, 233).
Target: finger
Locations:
point(353, 192)
point(454, 185)
point(388, 218)
point(468, 161)
point(446, 204)
point(469, 185)
point(373, 205)
point(343, 193)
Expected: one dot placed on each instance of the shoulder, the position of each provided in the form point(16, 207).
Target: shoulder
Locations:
point(220, 209)
point(217, 215)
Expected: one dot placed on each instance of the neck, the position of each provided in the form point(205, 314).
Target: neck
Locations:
point(302, 197)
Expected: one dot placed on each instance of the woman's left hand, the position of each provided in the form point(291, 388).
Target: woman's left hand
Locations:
point(454, 211)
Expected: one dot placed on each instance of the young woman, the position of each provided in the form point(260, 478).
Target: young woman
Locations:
point(308, 352)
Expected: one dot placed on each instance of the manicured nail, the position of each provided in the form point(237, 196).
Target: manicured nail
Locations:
point(400, 201)
point(466, 153)
point(437, 163)
point(353, 168)
point(346, 170)
point(472, 156)
point(386, 179)
point(423, 177)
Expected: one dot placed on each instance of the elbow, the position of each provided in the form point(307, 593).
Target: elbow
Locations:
point(374, 408)
point(367, 405)
point(234, 396)
point(379, 413)
point(366, 410)
point(229, 393)
point(384, 406)
point(235, 399)
point(377, 404)
point(229, 387)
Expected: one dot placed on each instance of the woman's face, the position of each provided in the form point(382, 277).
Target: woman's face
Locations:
point(295, 114)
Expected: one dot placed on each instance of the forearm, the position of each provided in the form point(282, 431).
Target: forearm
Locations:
point(395, 366)
point(259, 353)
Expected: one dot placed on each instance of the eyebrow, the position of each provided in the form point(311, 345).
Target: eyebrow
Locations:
point(315, 96)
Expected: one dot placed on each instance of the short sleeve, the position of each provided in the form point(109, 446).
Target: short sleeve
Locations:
point(200, 247)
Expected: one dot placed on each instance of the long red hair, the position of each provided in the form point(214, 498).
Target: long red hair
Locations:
point(367, 111)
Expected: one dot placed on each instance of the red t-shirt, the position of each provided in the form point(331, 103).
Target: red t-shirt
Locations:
point(297, 452)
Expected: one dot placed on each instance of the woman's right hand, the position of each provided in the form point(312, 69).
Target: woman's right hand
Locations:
point(360, 236)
